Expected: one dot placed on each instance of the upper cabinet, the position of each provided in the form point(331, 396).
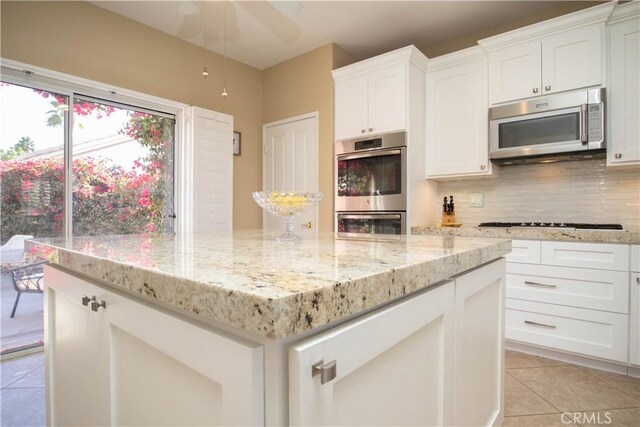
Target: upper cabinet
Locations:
point(457, 121)
point(623, 86)
point(371, 96)
point(561, 54)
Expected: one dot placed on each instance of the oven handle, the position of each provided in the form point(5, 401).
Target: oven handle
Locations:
point(584, 138)
point(369, 154)
point(383, 216)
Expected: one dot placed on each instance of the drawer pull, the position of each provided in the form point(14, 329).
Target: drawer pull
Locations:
point(542, 325)
point(540, 285)
point(638, 280)
point(327, 371)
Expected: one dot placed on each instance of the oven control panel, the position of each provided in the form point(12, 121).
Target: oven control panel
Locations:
point(369, 144)
point(595, 122)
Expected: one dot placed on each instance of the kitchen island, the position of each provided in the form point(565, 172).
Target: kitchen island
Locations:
point(236, 329)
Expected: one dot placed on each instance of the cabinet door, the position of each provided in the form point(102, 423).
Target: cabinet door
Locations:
point(573, 59)
point(351, 107)
point(457, 121)
point(77, 354)
point(197, 376)
point(479, 348)
point(387, 99)
point(624, 93)
point(393, 367)
point(514, 72)
point(634, 320)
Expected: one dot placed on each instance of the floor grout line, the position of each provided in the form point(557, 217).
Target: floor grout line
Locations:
point(534, 392)
point(586, 371)
point(30, 372)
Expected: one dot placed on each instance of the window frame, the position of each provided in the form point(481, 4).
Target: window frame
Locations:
point(18, 73)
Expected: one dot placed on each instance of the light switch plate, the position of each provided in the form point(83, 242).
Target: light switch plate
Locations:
point(476, 200)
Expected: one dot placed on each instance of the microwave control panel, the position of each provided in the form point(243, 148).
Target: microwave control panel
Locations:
point(595, 122)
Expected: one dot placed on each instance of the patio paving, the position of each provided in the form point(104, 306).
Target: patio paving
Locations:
point(26, 328)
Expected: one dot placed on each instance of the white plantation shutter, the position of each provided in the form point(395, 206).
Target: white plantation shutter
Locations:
point(212, 138)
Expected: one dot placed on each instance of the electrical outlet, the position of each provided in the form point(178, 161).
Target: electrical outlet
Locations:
point(476, 200)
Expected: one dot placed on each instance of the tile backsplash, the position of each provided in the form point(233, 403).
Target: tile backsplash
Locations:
point(578, 191)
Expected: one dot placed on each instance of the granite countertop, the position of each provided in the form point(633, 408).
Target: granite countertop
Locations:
point(245, 280)
point(515, 233)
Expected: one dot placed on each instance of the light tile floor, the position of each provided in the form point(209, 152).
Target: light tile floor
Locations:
point(22, 393)
point(537, 392)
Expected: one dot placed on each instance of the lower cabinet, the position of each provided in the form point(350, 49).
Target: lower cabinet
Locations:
point(434, 359)
point(391, 368)
point(114, 361)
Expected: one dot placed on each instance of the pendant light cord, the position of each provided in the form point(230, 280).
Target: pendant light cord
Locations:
point(224, 54)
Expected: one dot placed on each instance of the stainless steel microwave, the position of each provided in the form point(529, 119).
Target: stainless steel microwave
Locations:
point(557, 125)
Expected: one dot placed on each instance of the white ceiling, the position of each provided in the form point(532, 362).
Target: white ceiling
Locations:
point(261, 36)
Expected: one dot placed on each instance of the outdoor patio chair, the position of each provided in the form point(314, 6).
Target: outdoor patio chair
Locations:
point(27, 279)
point(12, 252)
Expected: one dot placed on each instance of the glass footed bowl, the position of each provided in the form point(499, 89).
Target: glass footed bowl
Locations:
point(286, 205)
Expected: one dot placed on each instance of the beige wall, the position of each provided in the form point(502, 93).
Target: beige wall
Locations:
point(84, 40)
point(303, 85)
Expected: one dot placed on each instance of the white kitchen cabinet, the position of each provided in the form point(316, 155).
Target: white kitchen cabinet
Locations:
point(525, 251)
point(572, 59)
point(479, 320)
point(605, 256)
point(560, 54)
point(634, 320)
point(120, 364)
point(371, 102)
point(514, 72)
point(588, 332)
point(393, 367)
point(623, 88)
point(557, 63)
point(351, 106)
point(457, 121)
point(373, 96)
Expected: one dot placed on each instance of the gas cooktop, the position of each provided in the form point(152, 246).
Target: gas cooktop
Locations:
point(564, 225)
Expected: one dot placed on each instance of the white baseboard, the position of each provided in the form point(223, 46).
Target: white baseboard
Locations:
point(604, 365)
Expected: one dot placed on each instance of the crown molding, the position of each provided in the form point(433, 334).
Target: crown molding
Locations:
point(456, 58)
point(581, 18)
point(625, 12)
point(409, 54)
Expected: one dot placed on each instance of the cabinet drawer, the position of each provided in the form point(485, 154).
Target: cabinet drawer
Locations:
point(526, 251)
point(578, 287)
point(635, 258)
point(634, 320)
point(577, 330)
point(589, 255)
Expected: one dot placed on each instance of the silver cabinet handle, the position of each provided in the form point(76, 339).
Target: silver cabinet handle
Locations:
point(618, 155)
point(638, 280)
point(362, 130)
point(482, 167)
point(370, 129)
point(327, 371)
point(95, 305)
point(540, 285)
point(547, 88)
point(535, 90)
point(542, 325)
point(86, 300)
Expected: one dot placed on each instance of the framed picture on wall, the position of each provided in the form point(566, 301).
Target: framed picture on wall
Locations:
point(236, 143)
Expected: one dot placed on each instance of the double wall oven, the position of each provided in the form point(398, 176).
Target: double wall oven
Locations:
point(370, 187)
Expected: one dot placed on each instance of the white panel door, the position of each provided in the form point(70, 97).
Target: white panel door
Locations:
point(515, 72)
point(457, 121)
point(212, 139)
point(479, 348)
point(624, 93)
point(392, 367)
point(77, 354)
point(572, 59)
point(351, 106)
point(291, 164)
point(387, 99)
point(634, 320)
